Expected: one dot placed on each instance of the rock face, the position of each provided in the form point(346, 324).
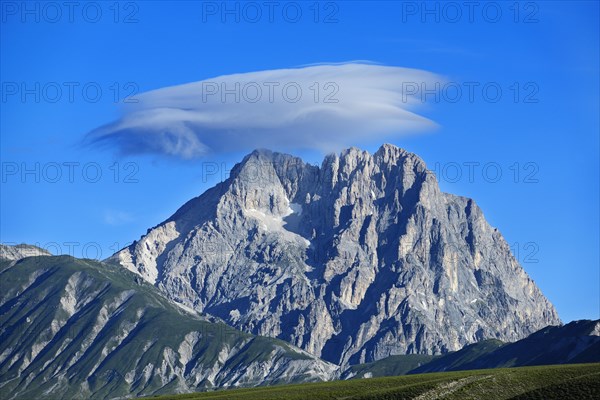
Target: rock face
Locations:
point(361, 258)
point(77, 329)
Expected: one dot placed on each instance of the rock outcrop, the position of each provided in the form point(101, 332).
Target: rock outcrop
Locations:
point(15, 253)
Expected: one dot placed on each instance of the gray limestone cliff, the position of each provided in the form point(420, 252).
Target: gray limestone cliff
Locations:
point(353, 261)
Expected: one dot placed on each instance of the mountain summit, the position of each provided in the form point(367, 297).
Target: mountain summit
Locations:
point(353, 261)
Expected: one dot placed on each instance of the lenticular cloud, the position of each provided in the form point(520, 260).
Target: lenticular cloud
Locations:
point(321, 107)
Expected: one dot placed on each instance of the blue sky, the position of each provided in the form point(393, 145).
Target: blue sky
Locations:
point(541, 134)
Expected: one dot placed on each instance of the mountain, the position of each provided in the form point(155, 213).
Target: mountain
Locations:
point(72, 328)
point(573, 343)
point(14, 253)
point(353, 261)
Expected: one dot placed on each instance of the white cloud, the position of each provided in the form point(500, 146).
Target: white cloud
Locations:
point(116, 217)
point(323, 107)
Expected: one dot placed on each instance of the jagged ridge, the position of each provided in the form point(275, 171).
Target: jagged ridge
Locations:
point(361, 258)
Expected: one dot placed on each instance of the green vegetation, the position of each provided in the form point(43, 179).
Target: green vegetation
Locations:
point(121, 324)
point(576, 381)
point(422, 363)
point(389, 366)
point(460, 360)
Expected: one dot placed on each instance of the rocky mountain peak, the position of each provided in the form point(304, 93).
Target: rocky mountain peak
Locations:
point(354, 260)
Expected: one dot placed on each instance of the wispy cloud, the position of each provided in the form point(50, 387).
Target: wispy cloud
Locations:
point(323, 107)
point(116, 217)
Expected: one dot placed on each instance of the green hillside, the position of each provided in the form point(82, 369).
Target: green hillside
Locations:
point(389, 366)
point(457, 360)
point(577, 381)
point(73, 328)
point(574, 343)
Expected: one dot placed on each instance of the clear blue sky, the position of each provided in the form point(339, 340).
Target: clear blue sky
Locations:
point(549, 211)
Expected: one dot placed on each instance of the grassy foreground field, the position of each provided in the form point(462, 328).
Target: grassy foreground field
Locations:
point(578, 381)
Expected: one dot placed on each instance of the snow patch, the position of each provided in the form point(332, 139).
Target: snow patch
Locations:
point(275, 224)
